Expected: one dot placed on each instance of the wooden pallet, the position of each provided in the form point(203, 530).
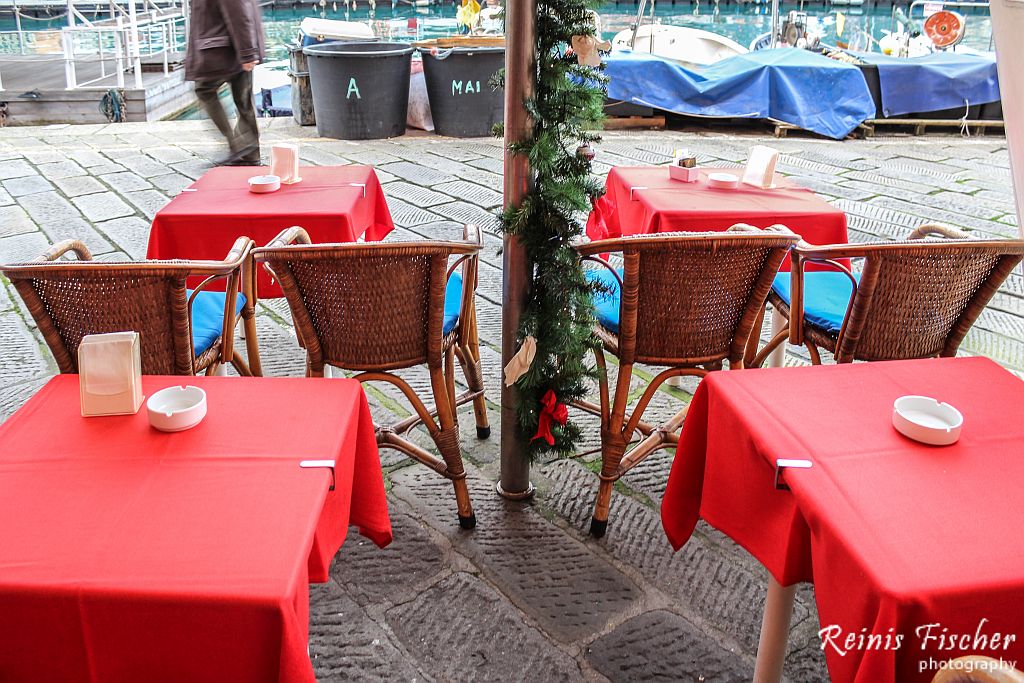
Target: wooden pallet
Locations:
point(625, 122)
point(867, 128)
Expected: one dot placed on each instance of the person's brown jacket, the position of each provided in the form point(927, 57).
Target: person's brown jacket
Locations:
point(223, 35)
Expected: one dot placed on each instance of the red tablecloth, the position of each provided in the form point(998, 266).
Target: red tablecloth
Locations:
point(333, 204)
point(129, 554)
point(666, 205)
point(290, 419)
point(894, 534)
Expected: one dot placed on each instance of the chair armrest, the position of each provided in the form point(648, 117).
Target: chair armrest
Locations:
point(938, 230)
point(61, 248)
point(239, 251)
point(292, 235)
point(744, 227)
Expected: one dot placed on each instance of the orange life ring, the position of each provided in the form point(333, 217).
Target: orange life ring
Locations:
point(944, 28)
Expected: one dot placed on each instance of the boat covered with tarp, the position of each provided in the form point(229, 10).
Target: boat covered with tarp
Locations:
point(803, 88)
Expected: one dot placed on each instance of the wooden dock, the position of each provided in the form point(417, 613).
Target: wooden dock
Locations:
point(34, 92)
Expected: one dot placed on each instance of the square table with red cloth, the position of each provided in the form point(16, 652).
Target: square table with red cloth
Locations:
point(332, 203)
point(666, 205)
point(130, 554)
point(291, 419)
point(895, 535)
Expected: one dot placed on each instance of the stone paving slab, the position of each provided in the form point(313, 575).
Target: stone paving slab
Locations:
point(684, 653)
point(462, 630)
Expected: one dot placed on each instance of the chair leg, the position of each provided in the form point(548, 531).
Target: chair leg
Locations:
point(599, 521)
point(252, 348)
point(469, 358)
point(613, 447)
point(447, 440)
point(467, 518)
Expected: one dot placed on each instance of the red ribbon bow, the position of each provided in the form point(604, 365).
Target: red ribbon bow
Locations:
point(551, 411)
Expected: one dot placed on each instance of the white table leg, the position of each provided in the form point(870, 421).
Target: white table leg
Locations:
point(771, 648)
point(777, 357)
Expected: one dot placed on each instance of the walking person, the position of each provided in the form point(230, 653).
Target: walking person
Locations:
point(225, 42)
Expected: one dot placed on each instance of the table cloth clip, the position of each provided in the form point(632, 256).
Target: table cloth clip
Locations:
point(783, 463)
point(635, 189)
point(321, 463)
point(361, 186)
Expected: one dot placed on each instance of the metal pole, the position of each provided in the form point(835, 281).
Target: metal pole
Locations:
point(520, 77)
point(133, 43)
point(21, 35)
point(775, 24)
point(68, 44)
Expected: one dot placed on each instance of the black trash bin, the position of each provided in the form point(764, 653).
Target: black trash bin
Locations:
point(462, 102)
point(360, 89)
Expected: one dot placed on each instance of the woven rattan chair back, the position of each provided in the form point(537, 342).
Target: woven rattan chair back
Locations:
point(918, 299)
point(692, 298)
point(69, 301)
point(365, 306)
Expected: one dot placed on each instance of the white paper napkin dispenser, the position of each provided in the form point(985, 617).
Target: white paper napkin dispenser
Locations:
point(284, 162)
point(110, 374)
point(760, 168)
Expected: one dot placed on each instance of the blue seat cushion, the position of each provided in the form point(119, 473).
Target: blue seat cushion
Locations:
point(607, 301)
point(452, 302)
point(208, 318)
point(826, 296)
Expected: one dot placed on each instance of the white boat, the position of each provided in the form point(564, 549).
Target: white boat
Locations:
point(334, 29)
point(690, 47)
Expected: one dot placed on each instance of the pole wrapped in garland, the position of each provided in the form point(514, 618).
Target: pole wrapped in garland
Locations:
point(567, 105)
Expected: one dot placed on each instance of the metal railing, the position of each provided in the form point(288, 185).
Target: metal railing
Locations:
point(117, 43)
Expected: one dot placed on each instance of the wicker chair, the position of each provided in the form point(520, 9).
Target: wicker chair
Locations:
point(377, 307)
point(688, 301)
point(914, 299)
point(182, 331)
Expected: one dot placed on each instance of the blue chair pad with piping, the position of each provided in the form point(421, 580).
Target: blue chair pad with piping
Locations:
point(606, 303)
point(826, 296)
point(452, 302)
point(208, 318)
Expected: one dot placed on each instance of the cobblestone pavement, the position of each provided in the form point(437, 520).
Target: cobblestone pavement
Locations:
point(527, 595)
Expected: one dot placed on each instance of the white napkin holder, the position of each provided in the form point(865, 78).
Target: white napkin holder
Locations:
point(110, 374)
point(760, 168)
point(284, 162)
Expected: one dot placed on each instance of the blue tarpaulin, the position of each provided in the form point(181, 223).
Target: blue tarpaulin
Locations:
point(942, 80)
point(799, 87)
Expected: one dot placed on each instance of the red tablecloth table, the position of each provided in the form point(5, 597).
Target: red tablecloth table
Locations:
point(332, 203)
point(666, 205)
point(130, 554)
point(895, 535)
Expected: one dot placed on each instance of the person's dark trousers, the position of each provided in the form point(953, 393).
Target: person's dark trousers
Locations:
point(244, 138)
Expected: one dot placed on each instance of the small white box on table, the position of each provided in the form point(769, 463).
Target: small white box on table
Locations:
point(110, 374)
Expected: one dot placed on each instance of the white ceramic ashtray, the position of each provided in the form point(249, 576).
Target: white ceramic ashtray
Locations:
point(926, 420)
point(176, 409)
point(725, 181)
point(264, 183)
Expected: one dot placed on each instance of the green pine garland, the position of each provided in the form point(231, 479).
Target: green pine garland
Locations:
point(568, 104)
